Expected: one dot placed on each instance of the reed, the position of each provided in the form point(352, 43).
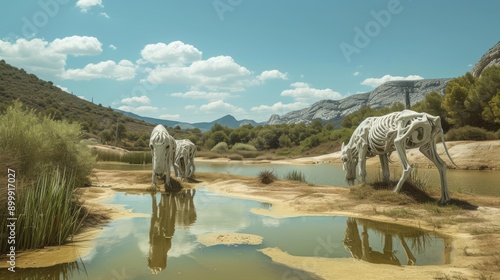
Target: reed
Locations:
point(296, 175)
point(48, 212)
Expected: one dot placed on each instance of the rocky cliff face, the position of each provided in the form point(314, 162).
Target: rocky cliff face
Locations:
point(491, 57)
point(383, 96)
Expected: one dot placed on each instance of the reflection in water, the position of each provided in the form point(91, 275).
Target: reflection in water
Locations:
point(59, 271)
point(359, 245)
point(173, 209)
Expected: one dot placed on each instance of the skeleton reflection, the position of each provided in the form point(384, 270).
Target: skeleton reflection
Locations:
point(173, 209)
point(398, 132)
point(359, 245)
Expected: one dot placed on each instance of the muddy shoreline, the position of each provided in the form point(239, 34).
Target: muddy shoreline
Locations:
point(475, 233)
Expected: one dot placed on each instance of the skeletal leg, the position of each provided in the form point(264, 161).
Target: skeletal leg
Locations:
point(362, 162)
point(153, 178)
point(429, 150)
point(399, 144)
point(384, 161)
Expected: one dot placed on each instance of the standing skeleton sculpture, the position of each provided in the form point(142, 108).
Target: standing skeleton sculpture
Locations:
point(398, 132)
point(163, 151)
point(184, 158)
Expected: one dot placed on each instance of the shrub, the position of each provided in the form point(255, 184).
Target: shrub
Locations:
point(235, 157)
point(42, 144)
point(243, 147)
point(221, 146)
point(267, 176)
point(469, 133)
point(137, 157)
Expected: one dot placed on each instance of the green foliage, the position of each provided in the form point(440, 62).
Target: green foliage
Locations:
point(469, 133)
point(221, 146)
point(50, 162)
point(42, 144)
point(267, 176)
point(49, 212)
point(243, 147)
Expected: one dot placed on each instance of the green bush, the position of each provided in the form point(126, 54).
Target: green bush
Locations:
point(243, 147)
point(469, 133)
point(41, 144)
point(221, 146)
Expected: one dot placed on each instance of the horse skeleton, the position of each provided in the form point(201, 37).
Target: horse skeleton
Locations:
point(162, 149)
point(184, 158)
point(398, 132)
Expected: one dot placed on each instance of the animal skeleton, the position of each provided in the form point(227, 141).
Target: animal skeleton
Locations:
point(396, 131)
point(184, 158)
point(163, 150)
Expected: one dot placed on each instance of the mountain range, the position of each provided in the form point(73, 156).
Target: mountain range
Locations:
point(228, 120)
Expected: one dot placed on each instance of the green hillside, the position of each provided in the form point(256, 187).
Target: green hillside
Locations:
point(43, 96)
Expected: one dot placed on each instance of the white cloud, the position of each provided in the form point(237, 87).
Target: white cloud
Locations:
point(77, 45)
point(355, 74)
point(220, 106)
point(272, 74)
point(86, 5)
point(175, 53)
point(82, 97)
point(215, 74)
point(195, 94)
point(302, 92)
point(139, 110)
point(142, 100)
point(123, 70)
point(375, 82)
point(105, 15)
point(113, 47)
point(279, 108)
point(43, 57)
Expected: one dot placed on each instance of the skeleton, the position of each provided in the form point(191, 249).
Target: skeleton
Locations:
point(184, 158)
point(396, 131)
point(163, 151)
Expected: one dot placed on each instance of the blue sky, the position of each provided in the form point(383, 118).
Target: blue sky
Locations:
point(199, 60)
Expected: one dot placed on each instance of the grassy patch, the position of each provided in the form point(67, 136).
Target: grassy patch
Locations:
point(295, 175)
point(267, 176)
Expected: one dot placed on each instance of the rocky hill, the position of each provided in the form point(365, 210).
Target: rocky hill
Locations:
point(491, 57)
point(383, 96)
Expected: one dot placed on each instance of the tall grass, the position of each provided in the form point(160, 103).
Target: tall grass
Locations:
point(48, 212)
point(295, 175)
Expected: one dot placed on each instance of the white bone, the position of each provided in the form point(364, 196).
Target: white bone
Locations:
point(398, 132)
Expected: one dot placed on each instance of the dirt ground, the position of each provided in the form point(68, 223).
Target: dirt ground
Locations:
point(472, 222)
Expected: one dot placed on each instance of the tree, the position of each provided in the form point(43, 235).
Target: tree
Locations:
point(458, 92)
point(219, 136)
point(487, 94)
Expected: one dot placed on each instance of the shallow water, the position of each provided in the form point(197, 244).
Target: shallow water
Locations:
point(165, 245)
point(464, 181)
